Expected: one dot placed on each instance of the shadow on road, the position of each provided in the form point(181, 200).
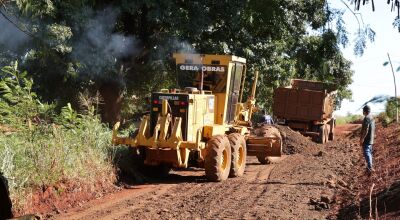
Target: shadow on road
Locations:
point(130, 173)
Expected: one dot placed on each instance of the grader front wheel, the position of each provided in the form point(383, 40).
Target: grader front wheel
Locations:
point(218, 159)
point(239, 153)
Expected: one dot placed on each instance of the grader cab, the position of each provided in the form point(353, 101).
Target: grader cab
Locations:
point(205, 124)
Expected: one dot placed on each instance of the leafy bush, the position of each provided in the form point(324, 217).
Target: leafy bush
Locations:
point(385, 119)
point(390, 108)
point(39, 147)
point(17, 101)
point(349, 118)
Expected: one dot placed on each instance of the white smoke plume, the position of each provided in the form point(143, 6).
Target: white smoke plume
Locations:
point(11, 38)
point(98, 47)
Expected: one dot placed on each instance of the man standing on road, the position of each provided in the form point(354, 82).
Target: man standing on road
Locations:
point(367, 137)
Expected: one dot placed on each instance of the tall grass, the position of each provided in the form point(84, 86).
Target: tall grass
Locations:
point(39, 147)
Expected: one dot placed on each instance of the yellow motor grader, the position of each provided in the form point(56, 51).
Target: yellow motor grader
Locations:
point(205, 124)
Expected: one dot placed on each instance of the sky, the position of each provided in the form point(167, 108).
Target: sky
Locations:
point(370, 77)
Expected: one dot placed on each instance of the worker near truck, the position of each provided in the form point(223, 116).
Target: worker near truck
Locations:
point(367, 137)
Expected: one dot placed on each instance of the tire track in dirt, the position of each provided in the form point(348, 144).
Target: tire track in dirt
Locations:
point(210, 200)
point(196, 199)
point(108, 205)
point(156, 202)
point(276, 191)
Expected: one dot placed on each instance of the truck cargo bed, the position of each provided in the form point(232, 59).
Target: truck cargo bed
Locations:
point(303, 104)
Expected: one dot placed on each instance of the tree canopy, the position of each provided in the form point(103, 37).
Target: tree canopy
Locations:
point(125, 46)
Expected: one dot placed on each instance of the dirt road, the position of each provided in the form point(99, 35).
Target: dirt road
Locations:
point(270, 191)
point(188, 195)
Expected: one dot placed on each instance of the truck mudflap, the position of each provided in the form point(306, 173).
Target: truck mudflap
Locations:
point(265, 141)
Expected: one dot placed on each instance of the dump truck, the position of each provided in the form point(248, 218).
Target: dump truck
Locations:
point(306, 106)
point(204, 123)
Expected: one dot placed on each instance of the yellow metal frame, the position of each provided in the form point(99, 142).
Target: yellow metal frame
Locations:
point(166, 144)
point(162, 148)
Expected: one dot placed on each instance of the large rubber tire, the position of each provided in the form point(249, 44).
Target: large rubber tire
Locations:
point(332, 130)
point(218, 159)
point(239, 154)
point(327, 131)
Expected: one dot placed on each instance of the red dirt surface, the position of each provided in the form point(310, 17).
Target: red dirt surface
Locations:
point(313, 181)
point(385, 200)
point(65, 195)
point(282, 190)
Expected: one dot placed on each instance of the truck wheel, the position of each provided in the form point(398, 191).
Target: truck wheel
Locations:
point(327, 131)
point(331, 131)
point(218, 159)
point(322, 134)
point(239, 153)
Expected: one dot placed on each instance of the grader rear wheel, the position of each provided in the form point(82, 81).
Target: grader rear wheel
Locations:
point(218, 159)
point(239, 153)
point(327, 129)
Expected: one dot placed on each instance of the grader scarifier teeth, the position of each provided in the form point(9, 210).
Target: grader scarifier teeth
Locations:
point(265, 142)
point(163, 146)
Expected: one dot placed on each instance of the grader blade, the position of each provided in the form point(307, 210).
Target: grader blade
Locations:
point(265, 142)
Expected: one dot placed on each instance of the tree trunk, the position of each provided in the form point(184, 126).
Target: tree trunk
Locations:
point(112, 102)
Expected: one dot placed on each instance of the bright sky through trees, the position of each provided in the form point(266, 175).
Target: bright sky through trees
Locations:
point(371, 78)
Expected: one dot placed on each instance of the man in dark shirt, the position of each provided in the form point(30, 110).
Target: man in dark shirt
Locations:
point(367, 137)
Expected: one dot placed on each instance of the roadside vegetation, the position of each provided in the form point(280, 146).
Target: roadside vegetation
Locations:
point(349, 118)
point(389, 115)
point(40, 145)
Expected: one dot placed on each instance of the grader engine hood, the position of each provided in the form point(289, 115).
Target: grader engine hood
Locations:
point(178, 107)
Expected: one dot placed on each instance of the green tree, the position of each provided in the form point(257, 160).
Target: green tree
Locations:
point(124, 47)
